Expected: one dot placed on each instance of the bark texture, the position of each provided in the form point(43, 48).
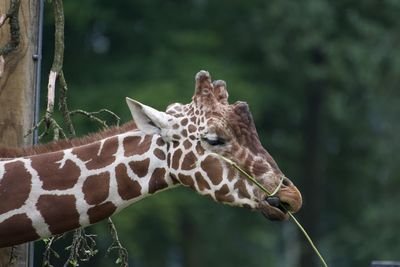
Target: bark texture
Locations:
point(17, 96)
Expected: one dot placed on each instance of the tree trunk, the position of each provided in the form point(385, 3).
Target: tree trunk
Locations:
point(188, 242)
point(17, 96)
point(312, 182)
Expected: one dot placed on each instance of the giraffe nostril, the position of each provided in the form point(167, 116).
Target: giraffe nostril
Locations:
point(286, 182)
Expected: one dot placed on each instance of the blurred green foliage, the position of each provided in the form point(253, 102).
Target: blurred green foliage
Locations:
point(322, 79)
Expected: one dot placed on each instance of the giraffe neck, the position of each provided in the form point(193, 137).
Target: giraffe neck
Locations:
point(51, 193)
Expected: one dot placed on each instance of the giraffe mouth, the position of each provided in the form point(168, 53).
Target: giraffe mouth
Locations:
point(273, 209)
point(277, 207)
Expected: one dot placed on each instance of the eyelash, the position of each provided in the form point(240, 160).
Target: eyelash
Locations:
point(217, 142)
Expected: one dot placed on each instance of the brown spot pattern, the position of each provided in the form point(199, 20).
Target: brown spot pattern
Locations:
point(187, 144)
point(242, 125)
point(192, 128)
point(176, 137)
point(189, 161)
point(140, 168)
point(249, 161)
point(184, 122)
point(175, 159)
point(52, 176)
point(186, 180)
point(175, 144)
point(157, 180)
point(95, 159)
point(213, 169)
point(222, 194)
point(231, 173)
point(159, 154)
point(101, 212)
point(127, 188)
point(59, 212)
point(96, 187)
point(259, 168)
point(134, 146)
point(174, 179)
point(169, 159)
point(199, 148)
point(160, 142)
point(184, 133)
point(14, 187)
point(16, 230)
point(223, 190)
point(201, 182)
point(247, 206)
point(240, 185)
point(240, 153)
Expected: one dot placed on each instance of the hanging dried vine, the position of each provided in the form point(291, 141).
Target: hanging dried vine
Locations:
point(116, 245)
point(83, 245)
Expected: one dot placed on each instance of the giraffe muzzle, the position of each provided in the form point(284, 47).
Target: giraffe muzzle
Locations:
point(276, 207)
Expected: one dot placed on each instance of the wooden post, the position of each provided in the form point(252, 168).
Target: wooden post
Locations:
point(17, 96)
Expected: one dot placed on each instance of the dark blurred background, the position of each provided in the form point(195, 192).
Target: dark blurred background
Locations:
point(322, 79)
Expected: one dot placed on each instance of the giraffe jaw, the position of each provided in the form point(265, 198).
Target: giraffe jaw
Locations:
point(273, 213)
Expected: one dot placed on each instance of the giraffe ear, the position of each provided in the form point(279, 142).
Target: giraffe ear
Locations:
point(148, 119)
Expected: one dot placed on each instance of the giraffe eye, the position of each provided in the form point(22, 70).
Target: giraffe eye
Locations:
point(217, 141)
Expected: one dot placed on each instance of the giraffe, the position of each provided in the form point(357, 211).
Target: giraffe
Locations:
point(53, 188)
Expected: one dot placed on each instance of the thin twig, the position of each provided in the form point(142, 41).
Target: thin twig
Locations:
point(49, 251)
point(13, 255)
point(93, 116)
point(58, 58)
point(122, 259)
point(59, 36)
point(113, 115)
point(90, 117)
point(63, 107)
point(56, 128)
point(51, 89)
point(31, 130)
point(83, 247)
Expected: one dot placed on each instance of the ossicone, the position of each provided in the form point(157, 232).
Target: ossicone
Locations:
point(207, 93)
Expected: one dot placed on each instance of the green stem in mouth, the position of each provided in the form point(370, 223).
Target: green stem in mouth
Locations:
point(248, 176)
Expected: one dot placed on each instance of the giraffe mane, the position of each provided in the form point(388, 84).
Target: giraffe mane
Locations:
point(12, 152)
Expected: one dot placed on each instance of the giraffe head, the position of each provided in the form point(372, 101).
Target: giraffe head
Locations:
point(209, 125)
